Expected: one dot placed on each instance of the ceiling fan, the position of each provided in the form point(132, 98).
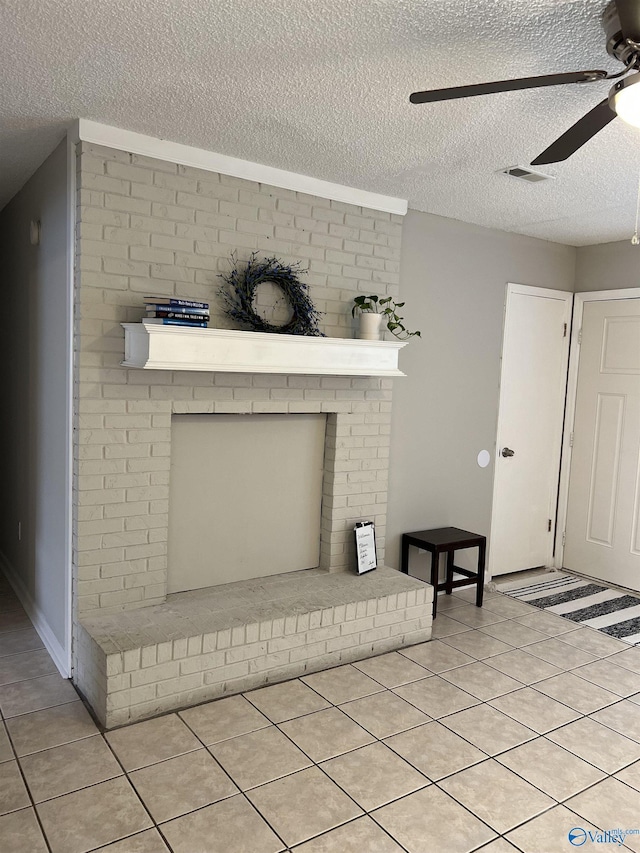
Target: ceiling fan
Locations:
point(621, 23)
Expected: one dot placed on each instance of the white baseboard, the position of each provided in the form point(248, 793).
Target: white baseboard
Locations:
point(52, 644)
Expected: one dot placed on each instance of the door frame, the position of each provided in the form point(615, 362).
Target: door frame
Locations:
point(570, 409)
point(525, 290)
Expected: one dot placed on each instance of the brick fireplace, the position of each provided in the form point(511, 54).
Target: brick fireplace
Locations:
point(147, 226)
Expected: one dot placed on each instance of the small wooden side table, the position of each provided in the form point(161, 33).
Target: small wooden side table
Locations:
point(447, 540)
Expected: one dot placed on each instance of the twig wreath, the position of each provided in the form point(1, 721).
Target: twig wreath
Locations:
point(239, 292)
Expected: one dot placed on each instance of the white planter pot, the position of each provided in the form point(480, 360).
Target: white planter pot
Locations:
point(369, 326)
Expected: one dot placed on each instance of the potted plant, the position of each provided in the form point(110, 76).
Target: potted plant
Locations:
point(374, 311)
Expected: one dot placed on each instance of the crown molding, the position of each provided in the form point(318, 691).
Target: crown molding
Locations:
point(200, 158)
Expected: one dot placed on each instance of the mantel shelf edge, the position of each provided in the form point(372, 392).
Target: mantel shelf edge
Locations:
point(151, 346)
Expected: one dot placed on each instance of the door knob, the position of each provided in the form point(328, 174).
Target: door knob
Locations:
point(507, 452)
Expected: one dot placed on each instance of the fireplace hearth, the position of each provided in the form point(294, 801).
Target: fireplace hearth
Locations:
point(208, 643)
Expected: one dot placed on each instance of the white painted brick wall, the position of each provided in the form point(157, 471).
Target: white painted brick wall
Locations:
point(146, 226)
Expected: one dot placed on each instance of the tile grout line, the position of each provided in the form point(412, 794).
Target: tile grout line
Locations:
point(135, 790)
point(231, 779)
point(28, 790)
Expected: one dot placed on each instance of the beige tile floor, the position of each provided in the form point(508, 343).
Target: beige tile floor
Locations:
point(508, 730)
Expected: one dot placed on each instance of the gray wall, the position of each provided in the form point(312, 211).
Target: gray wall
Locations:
point(454, 277)
point(33, 429)
point(608, 266)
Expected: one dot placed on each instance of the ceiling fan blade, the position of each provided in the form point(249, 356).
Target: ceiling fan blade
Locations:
point(576, 136)
point(506, 86)
point(629, 15)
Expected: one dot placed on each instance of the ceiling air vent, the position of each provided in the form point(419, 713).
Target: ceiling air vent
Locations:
point(530, 175)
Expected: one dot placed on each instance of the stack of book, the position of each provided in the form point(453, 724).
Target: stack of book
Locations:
point(171, 311)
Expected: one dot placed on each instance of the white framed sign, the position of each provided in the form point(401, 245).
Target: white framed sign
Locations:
point(365, 546)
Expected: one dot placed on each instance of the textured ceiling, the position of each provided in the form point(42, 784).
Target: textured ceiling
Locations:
point(321, 87)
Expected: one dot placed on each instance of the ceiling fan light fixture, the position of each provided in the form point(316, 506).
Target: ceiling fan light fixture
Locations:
point(624, 99)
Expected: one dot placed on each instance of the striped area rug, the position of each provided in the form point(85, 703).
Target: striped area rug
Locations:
point(608, 610)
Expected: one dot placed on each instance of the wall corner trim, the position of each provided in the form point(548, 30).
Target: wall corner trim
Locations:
point(200, 158)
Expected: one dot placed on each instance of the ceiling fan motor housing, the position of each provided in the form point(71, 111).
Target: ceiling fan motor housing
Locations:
point(617, 45)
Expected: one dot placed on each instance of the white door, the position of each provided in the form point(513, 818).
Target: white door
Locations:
point(532, 394)
point(603, 511)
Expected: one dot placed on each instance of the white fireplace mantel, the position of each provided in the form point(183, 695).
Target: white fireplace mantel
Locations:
point(155, 347)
